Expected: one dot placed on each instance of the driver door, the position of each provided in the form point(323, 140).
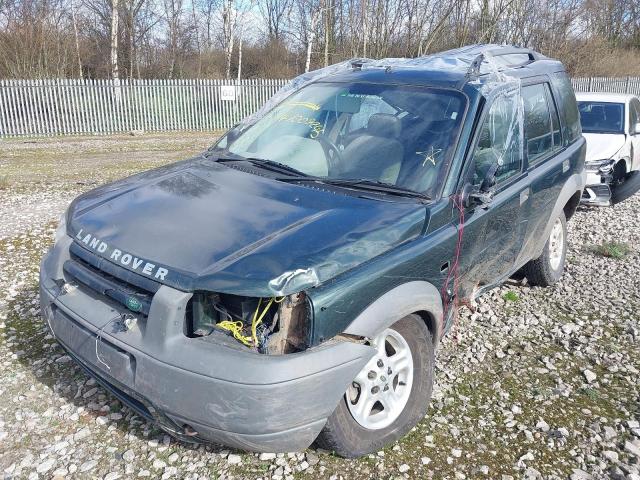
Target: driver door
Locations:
point(494, 232)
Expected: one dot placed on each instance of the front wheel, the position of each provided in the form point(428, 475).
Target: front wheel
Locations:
point(389, 396)
point(547, 269)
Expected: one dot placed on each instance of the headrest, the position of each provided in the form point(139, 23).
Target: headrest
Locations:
point(384, 125)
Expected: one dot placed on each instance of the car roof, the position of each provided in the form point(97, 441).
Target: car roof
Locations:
point(604, 97)
point(484, 66)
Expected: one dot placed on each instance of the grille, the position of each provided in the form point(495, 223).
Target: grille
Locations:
point(110, 280)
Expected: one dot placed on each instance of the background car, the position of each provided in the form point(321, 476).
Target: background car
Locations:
point(611, 126)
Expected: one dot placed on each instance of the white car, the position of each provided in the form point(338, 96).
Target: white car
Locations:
point(611, 126)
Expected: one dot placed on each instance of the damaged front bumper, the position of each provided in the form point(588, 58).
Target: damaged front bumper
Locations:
point(598, 190)
point(194, 388)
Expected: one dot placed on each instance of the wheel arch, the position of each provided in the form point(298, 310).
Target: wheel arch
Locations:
point(622, 167)
point(417, 297)
point(572, 205)
point(573, 187)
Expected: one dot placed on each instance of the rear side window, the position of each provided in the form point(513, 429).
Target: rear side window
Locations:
point(537, 122)
point(541, 122)
point(567, 105)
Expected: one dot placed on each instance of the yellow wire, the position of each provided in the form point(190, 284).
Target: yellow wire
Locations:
point(236, 329)
point(258, 320)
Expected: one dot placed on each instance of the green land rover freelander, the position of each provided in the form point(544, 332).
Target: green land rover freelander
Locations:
point(291, 284)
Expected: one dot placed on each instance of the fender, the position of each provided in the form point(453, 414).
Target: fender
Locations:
point(400, 301)
point(575, 183)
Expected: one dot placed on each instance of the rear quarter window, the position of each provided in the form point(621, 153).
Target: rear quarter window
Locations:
point(567, 105)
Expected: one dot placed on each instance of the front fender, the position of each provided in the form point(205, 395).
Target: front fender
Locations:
point(400, 301)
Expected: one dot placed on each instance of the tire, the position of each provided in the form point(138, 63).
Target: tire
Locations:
point(627, 188)
point(345, 435)
point(547, 269)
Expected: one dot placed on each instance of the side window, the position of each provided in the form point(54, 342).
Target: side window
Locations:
point(634, 113)
point(499, 140)
point(568, 107)
point(537, 122)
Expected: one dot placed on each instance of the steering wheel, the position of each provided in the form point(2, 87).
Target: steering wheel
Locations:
point(331, 152)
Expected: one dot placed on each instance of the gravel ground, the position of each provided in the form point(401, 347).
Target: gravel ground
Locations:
point(536, 383)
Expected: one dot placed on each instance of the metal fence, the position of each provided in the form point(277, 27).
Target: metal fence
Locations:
point(77, 107)
point(607, 84)
point(96, 107)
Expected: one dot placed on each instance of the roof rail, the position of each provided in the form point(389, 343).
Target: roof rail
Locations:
point(474, 68)
point(357, 63)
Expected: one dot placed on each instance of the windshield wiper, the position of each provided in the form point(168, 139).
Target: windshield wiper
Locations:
point(364, 184)
point(270, 165)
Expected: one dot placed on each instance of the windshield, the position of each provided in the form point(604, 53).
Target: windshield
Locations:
point(601, 117)
point(397, 134)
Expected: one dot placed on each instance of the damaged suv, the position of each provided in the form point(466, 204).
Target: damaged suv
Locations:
point(292, 283)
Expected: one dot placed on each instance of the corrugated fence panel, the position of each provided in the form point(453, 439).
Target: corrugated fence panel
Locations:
point(101, 107)
point(607, 84)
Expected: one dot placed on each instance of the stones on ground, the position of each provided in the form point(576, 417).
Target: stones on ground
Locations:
point(234, 459)
point(404, 468)
point(88, 466)
point(633, 448)
point(542, 425)
point(46, 465)
point(589, 376)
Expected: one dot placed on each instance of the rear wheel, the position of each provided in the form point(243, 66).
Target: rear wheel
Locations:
point(388, 396)
point(547, 269)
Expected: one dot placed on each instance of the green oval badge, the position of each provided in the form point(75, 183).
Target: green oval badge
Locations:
point(134, 304)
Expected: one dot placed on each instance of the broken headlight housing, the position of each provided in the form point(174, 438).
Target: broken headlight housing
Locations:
point(275, 325)
point(604, 167)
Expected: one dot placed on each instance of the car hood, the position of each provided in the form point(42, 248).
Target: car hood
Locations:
point(200, 225)
point(602, 146)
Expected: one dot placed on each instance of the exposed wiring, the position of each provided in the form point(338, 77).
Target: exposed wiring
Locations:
point(453, 271)
point(236, 329)
point(99, 339)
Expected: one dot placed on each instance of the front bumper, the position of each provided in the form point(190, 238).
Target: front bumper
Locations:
point(193, 388)
point(597, 191)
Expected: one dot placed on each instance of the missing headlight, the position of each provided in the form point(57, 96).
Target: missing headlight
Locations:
point(274, 325)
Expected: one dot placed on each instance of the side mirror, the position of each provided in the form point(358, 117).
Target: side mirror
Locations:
point(481, 196)
point(635, 129)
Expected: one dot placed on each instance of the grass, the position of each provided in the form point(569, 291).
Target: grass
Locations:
point(615, 250)
point(511, 296)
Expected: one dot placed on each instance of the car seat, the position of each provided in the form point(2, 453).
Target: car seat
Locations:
point(376, 154)
point(485, 155)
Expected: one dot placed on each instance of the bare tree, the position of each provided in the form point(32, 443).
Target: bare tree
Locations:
point(114, 39)
point(275, 14)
